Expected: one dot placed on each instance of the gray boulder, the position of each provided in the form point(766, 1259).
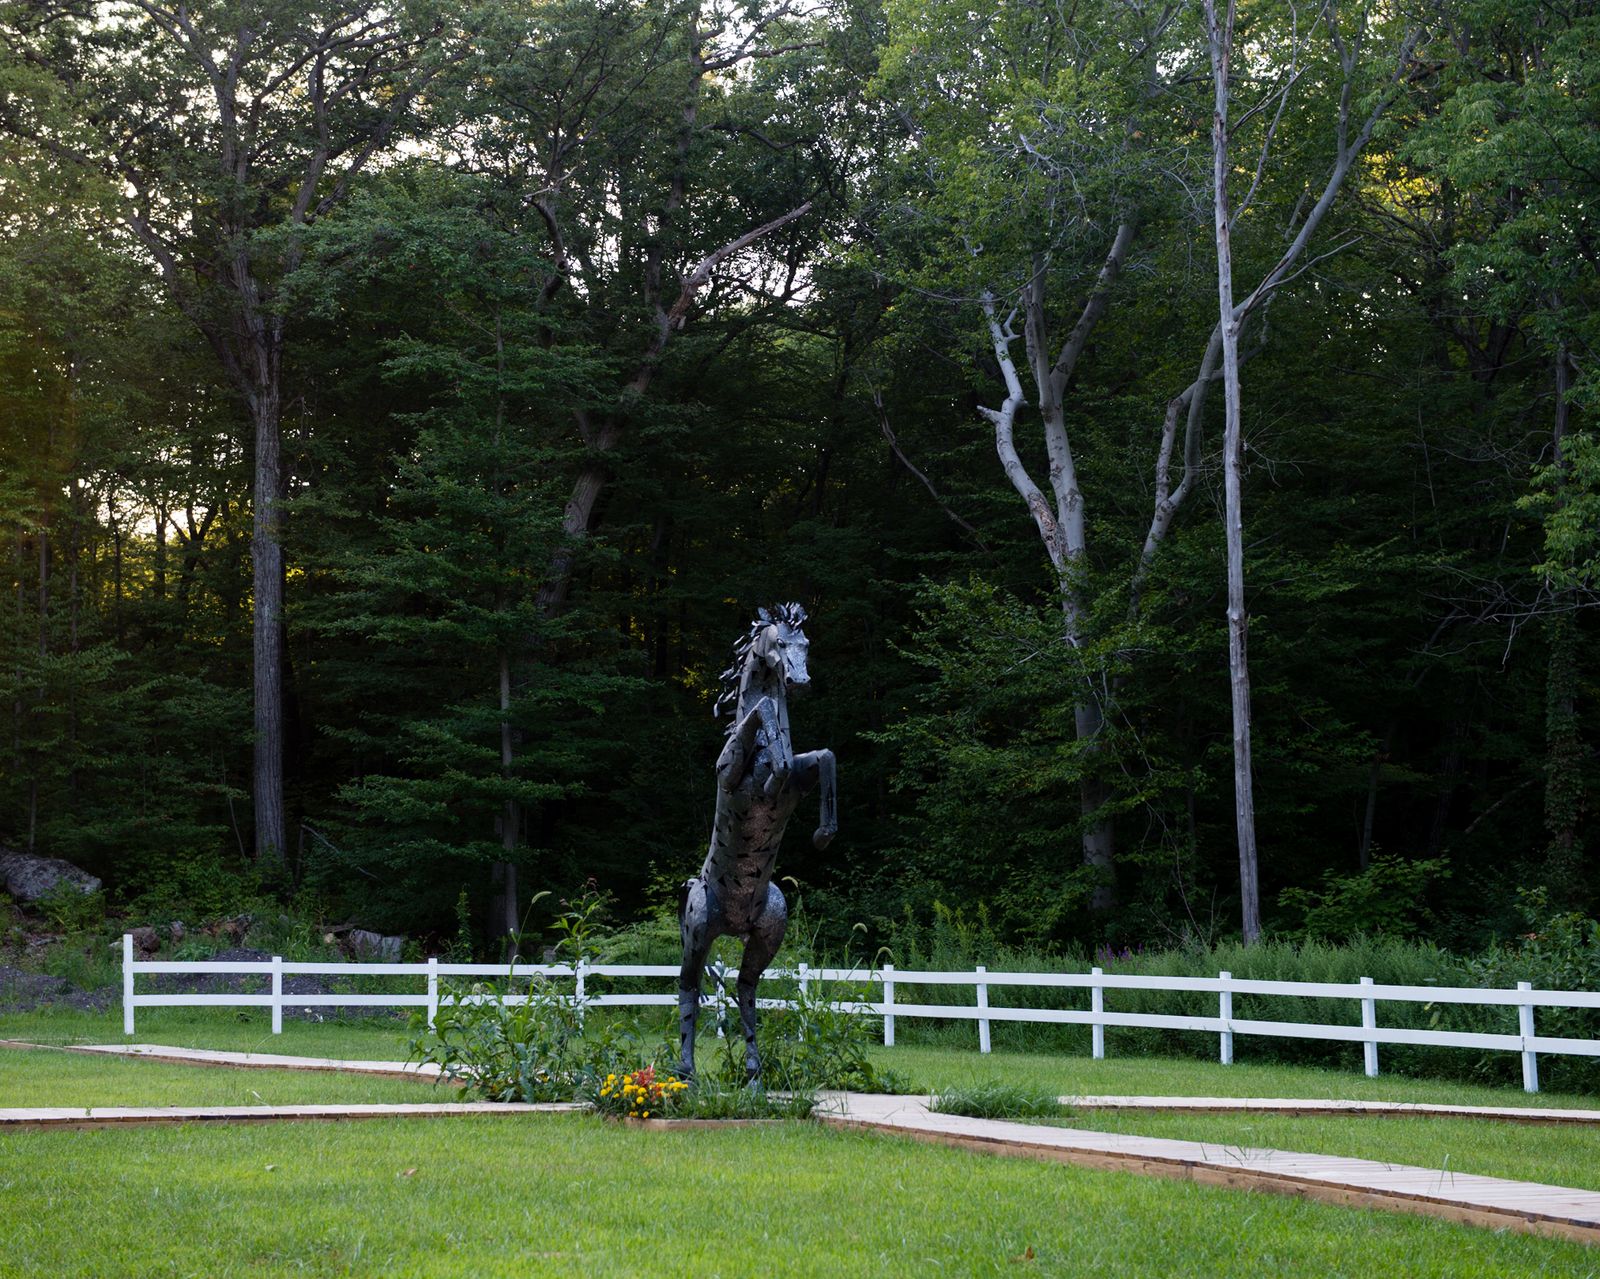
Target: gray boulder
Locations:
point(367, 945)
point(28, 877)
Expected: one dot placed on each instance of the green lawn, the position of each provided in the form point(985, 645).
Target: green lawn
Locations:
point(574, 1195)
point(240, 1030)
point(1182, 1076)
point(44, 1078)
point(931, 1067)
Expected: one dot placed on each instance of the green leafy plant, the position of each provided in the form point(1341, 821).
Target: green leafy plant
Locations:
point(1000, 1101)
point(72, 911)
point(527, 1043)
point(1385, 899)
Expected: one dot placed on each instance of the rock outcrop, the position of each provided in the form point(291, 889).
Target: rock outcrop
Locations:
point(28, 877)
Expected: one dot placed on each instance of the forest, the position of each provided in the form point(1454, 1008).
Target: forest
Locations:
point(1176, 418)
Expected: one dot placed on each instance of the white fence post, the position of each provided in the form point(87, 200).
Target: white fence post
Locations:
point(888, 1005)
point(1097, 1005)
point(1530, 1059)
point(127, 983)
point(1369, 1021)
point(983, 1004)
point(433, 989)
point(277, 994)
point(577, 988)
point(1225, 1011)
point(804, 979)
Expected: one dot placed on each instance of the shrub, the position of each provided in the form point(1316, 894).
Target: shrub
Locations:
point(70, 910)
point(537, 1048)
point(1560, 951)
point(1386, 899)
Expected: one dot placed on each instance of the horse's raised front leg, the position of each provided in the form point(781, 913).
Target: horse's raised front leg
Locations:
point(766, 935)
point(697, 923)
point(817, 768)
point(738, 749)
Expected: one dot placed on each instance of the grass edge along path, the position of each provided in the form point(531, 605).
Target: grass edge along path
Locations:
point(1470, 1199)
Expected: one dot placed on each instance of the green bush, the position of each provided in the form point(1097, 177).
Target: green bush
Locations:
point(70, 910)
point(535, 1050)
point(1386, 899)
point(1559, 951)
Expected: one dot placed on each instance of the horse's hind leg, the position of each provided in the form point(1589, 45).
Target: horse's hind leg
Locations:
point(766, 935)
point(698, 925)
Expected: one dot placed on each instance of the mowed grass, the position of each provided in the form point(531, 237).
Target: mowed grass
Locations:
point(235, 1030)
point(575, 1195)
point(1556, 1155)
point(937, 1068)
point(44, 1077)
point(385, 1039)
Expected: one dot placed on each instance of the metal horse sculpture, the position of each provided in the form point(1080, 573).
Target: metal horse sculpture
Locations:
point(760, 781)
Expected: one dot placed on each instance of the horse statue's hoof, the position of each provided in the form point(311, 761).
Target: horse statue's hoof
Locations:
point(823, 836)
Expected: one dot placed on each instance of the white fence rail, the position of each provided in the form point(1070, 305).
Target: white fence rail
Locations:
point(1367, 993)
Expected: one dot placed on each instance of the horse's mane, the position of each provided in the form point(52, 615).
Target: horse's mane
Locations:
point(791, 615)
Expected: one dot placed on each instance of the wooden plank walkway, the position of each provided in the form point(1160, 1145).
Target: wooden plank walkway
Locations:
point(1332, 1106)
point(119, 1116)
point(1463, 1197)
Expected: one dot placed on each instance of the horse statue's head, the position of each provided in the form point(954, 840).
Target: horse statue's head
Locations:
point(774, 651)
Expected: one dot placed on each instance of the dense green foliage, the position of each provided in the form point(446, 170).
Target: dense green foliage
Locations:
point(486, 319)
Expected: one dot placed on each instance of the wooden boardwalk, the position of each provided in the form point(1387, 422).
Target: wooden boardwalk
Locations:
point(1463, 1197)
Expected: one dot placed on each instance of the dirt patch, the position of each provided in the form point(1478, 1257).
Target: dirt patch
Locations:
point(23, 991)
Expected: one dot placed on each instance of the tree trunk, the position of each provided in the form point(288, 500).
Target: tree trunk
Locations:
point(1099, 834)
point(1220, 37)
point(1564, 753)
point(41, 690)
point(266, 554)
point(1370, 813)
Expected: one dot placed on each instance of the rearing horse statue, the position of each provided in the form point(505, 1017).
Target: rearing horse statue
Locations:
point(760, 781)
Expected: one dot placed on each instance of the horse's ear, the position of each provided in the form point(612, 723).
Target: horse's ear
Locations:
point(763, 616)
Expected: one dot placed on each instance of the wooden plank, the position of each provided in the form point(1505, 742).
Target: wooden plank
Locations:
point(121, 1116)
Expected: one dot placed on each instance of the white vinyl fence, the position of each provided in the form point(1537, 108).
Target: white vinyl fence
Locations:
point(889, 980)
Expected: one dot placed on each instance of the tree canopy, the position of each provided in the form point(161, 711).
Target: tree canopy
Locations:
point(404, 408)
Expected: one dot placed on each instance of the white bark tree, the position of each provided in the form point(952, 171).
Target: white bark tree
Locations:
point(1100, 159)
